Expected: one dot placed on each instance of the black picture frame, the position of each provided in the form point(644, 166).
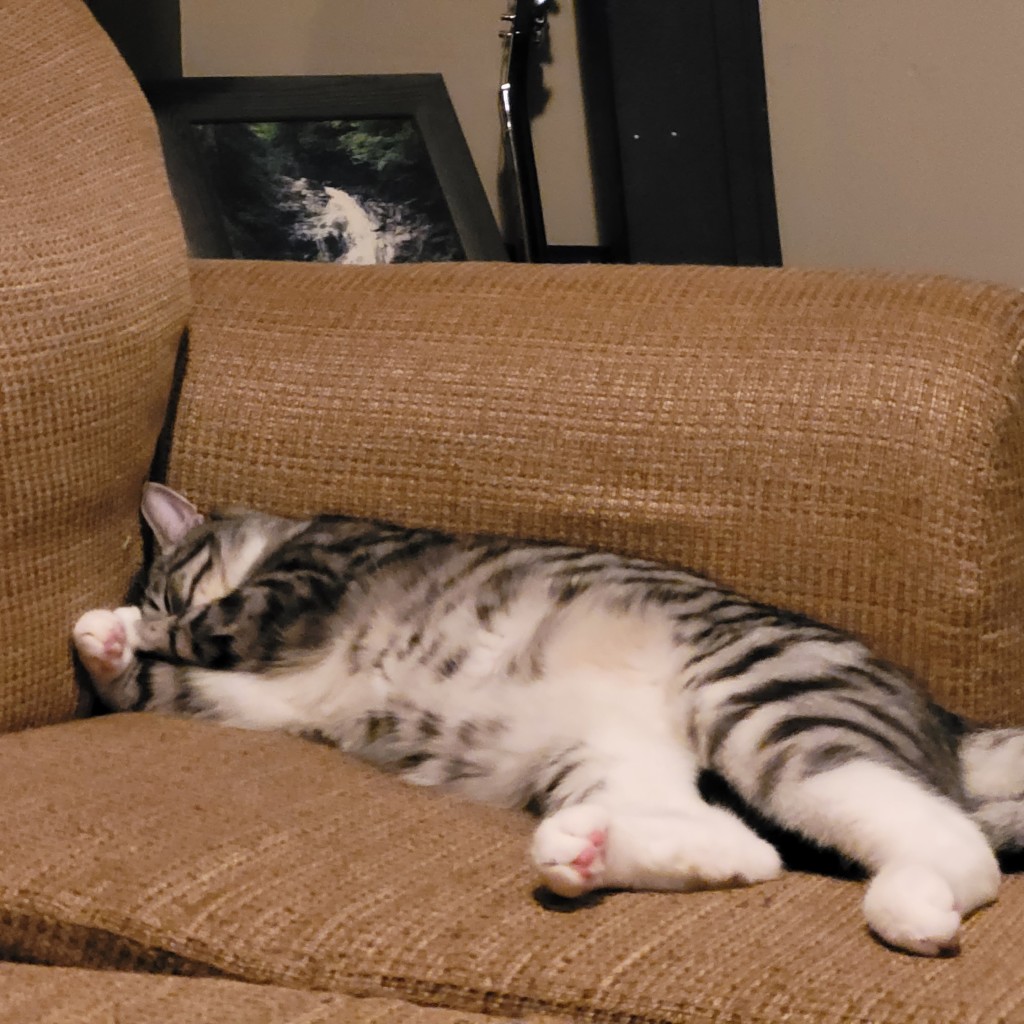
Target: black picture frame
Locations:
point(365, 126)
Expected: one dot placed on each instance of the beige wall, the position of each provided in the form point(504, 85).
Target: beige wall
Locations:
point(898, 133)
point(459, 38)
point(897, 125)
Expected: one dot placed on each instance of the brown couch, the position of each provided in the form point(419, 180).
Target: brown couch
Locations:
point(848, 444)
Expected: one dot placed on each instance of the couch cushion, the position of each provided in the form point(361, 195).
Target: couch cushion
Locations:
point(144, 842)
point(32, 995)
point(93, 296)
point(848, 445)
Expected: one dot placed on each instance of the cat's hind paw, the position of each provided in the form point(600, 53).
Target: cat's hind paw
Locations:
point(101, 638)
point(912, 908)
point(569, 849)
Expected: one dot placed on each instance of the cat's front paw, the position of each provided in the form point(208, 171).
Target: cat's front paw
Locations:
point(569, 849)
point(101, 638)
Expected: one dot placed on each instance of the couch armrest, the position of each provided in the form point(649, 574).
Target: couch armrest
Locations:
point(849, 445)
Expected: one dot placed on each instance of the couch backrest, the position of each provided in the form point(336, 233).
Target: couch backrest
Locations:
point(846, 444)
point(93, 297)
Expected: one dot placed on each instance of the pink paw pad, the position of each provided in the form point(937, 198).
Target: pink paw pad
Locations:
point(113, 643)
point(584, 862)
point(101, 638)
point(570, 849)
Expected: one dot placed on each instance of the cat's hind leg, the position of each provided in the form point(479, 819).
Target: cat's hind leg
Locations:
point(588, 846)
point(626, 814)
point(931, 865)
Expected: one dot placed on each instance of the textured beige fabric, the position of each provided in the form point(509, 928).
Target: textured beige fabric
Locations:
point(274, 860)
point(49, 995)
point(849, 445)
point(93, 295)
point(845, 444)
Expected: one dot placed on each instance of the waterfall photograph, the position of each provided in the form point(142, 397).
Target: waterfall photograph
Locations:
point(340, 191)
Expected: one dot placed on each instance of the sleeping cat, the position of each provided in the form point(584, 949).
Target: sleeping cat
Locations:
point(590, 688)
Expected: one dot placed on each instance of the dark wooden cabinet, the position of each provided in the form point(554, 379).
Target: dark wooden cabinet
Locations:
point(678, 118)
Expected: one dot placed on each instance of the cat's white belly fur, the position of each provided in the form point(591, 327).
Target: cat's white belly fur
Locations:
point(577, 699)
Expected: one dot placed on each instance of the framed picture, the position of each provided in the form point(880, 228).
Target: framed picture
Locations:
point(347, 169)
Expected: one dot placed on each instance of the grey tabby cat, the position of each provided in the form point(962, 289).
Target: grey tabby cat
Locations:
point(586, 686)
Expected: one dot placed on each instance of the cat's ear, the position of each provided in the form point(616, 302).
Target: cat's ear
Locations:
point(170, 516)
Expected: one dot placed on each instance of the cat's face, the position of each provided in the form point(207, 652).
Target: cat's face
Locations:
point(201, 559)
point(188, 574)
point(188, 569)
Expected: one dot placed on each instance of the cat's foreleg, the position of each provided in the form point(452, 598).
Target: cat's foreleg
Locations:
point(101, 638)
point(244, 630)
point(193, 638)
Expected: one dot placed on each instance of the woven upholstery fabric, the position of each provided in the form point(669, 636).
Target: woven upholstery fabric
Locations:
point(269, 859)
point(93, 297)
point(49, 995)
point(849, 445)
